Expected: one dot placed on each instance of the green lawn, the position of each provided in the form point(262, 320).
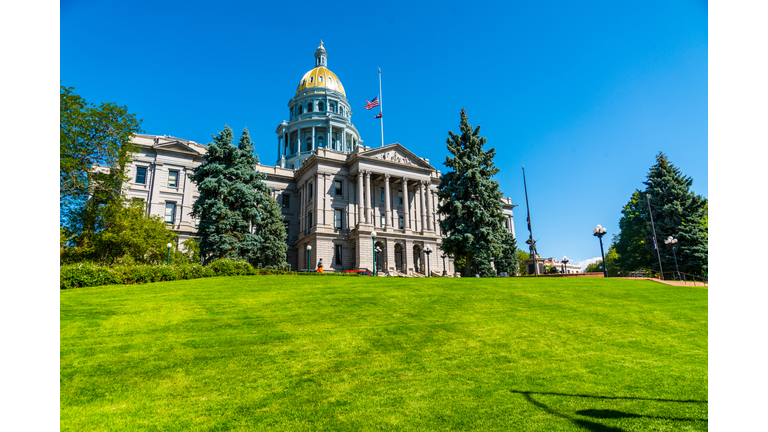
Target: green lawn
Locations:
point(288, 353)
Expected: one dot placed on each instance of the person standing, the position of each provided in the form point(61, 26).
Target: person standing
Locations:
point(320, 266)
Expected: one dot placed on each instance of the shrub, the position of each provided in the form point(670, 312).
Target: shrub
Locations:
point(128, 273)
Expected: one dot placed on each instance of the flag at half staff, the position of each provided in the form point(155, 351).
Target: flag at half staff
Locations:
point(378, 115)
point(373, 103)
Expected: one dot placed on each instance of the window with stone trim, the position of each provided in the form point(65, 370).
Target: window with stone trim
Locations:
point(170, 212)
point(286, 200)
point(337, 218)
point(401, 222)
point(173, 178)
point(337, 184)
point(141, 175)
point(383, 220)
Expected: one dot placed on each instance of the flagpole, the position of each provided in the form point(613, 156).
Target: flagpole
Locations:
point(528, 209)
point(655, 242)
point(381, 111)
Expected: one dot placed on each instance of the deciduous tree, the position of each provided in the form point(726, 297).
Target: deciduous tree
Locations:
point(94, 149)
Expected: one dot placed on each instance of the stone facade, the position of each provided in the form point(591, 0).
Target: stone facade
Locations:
point(334, 191)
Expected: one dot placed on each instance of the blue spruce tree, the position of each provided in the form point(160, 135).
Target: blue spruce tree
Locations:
point(471, 202)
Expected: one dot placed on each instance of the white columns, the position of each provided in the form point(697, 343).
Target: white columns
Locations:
point(387, 203)
point(319, 193)
point(430, 211)
point(368, 197)
point(406, 209)
point(360, 207)
point(313, 138)
point(422, 207)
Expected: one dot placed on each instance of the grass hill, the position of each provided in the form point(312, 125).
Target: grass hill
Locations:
point(290, 353)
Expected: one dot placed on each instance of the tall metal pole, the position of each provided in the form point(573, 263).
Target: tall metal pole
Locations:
point(530, 231)
point(605, 267)
point(655, 240)
point(381, 110)
point(676, 267)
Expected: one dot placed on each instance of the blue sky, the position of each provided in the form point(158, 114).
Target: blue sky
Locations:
point(583, 95)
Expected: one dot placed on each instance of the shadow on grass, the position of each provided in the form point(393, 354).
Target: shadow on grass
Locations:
point(600, 413)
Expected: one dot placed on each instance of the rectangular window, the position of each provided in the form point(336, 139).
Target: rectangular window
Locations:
point(338, 254)
point(310, 190)
point(141, 175)
point(286, 200)
point(337, 219)
point(173, 178)
point(170, 212)
point(382, 194)
point(401, 222)
point(337, 183)
point(400, 197)
point(383, 220)
point(309, 220)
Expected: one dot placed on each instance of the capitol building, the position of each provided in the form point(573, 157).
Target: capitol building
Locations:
point(334, 191)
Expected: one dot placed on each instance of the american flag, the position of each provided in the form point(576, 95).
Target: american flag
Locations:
point(373, 103)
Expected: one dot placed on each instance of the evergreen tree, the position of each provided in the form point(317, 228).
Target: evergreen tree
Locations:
point(679, 213)
point(470, 201)
point(630, 244)
point(272, 248)
point(508, 263)
point(231, 191)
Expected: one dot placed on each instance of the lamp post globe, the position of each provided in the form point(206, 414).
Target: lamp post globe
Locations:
point(168, 262)
point(599, 232)
point(671, 241)
point(373, 238)
point(309, 257)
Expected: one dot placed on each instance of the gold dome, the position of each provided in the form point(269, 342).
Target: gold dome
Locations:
point(321, 78)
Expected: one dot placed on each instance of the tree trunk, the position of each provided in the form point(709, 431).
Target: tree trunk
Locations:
point(468, 265)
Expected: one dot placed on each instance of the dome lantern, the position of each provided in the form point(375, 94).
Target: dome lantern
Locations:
point(321, 57)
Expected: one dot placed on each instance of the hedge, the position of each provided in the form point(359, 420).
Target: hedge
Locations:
point(90, 274)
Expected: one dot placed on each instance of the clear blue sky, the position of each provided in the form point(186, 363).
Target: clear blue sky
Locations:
point(583, 95)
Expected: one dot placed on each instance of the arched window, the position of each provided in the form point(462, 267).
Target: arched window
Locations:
point(311, 79)
point(301, 109)
point(309, 143)
point(320, 79)
point(309, 106)
point(320, 142)
point(320, 106)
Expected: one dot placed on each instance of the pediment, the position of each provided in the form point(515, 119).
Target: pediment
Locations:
point(175, 146)
point(396, 153)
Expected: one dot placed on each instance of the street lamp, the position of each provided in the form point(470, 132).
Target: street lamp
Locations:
point(169, 254)
point(599, 232)
point(443, 256)
point(428, 250)
point(373, 237)
point(565, 263)
point(378, 249)
point(671, 240)
point(309, 257)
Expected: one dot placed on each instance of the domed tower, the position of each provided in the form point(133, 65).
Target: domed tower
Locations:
point(319, 116)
